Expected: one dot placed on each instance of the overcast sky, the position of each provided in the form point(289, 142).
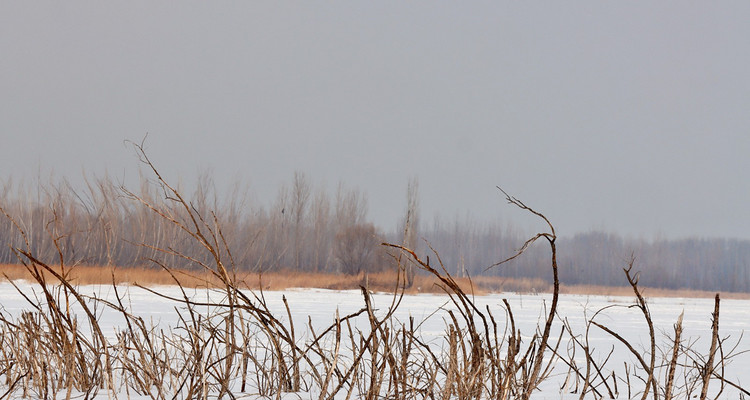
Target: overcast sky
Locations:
point(629, 117)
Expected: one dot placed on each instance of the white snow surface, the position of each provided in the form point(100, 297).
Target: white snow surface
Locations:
point(430, 309)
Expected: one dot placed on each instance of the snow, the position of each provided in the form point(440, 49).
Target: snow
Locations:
point(318, 307)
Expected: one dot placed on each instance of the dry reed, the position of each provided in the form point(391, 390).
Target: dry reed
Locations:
point(382, 281)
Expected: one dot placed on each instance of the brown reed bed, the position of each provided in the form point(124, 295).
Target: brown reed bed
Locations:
point(384, 281)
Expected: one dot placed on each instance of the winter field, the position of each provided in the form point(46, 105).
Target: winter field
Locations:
point(171, 324)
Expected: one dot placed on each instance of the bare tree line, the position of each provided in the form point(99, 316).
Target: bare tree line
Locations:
point(595, 258)
point(306, 228)
point(103, 224)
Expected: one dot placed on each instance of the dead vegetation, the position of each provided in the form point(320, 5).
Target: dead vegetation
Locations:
point(231, 343)
point(383, 281)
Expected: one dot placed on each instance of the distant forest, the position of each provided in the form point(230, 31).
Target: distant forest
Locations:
point(308, 229)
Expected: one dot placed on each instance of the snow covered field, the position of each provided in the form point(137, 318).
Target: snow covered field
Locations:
point(318, 308)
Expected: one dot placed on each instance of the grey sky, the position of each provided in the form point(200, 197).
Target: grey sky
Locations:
point(631, 117)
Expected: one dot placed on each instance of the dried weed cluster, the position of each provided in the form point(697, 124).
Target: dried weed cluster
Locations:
point(240, 348)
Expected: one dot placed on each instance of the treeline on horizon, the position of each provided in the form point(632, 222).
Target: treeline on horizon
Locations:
point(308, 229)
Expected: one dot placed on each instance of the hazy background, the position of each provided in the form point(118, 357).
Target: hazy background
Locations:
point(629, 117)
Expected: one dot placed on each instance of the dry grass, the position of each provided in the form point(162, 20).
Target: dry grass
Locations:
point(648, 292)
point(95, 275)
point(379, 282)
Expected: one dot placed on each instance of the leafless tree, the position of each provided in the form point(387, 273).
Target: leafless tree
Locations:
point(355, 248)
point(411, 225)
point(300, 196)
